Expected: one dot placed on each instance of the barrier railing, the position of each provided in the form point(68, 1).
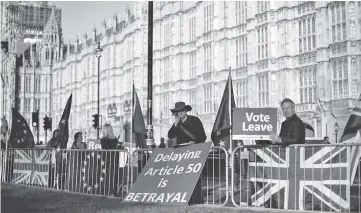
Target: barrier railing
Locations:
point(215, 177)
point(96, 172)
point(302, 177)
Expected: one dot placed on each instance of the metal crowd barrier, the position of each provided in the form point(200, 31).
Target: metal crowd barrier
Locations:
point(95, 172)
point(303, 177)
point(26, 166)
point(3, 163)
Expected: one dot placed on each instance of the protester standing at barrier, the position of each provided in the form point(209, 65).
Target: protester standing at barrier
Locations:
point(58, 162)
point(3, 143)
point(162, 144)
point(188, 129)
point(292, 129)
point(53, 141)
point(109, 141)
point(78, 141)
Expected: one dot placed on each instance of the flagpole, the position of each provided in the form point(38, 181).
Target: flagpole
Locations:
point(131, 112)
point(230, 110)
point(24, 67)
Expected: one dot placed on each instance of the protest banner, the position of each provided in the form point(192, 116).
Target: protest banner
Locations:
point(93, 143)
point(170, 175)
point(254, 123)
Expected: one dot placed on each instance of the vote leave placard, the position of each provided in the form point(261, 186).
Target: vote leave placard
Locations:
point(93, 144)
point(170, 175)
point(254, 123)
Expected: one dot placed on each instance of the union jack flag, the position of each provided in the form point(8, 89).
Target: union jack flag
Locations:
point(301, 178)
point(31, 167)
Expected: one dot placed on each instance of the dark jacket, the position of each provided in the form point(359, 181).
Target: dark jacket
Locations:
point(109, 143)
point(162, 145)
point(292, 131)
point(3, 145)
point(193, 125)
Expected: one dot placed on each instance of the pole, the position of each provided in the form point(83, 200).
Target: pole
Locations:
point(150, 139)
point(98, 56)
point(131, 117)
point(51, 81)
point(24, 81)
point(230, 109)
point(37, 127)
point(33, 54)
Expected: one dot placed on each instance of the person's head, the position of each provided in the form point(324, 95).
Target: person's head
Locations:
point(161, 140)
point(108, 131)
point(326, 138)
point(78, 137)
point(288, 107)
point(181, 109)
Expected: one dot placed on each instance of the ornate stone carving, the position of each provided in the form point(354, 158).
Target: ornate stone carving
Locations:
point(339, 103)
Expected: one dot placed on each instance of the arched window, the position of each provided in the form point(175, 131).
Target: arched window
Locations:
point(313, 24)
point(339, 70)
point(354, 77)
point(353, 68)
point(345, 69)
point(308, 26)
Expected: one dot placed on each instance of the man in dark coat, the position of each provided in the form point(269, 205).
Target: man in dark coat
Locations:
point(188, 129)
point(292, 129)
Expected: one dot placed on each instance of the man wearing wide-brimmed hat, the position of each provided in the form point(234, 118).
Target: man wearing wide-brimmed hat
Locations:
point(188, 129)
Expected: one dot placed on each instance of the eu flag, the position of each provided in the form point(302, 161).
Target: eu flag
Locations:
point(21, 135)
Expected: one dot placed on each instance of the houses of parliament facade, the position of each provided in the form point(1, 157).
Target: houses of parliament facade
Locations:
point(307, 51)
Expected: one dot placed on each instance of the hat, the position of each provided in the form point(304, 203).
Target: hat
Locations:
point(179, 106)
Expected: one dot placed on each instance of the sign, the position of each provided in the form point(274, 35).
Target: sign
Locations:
point(93, 144)
point(170, 175)
point(254, 123)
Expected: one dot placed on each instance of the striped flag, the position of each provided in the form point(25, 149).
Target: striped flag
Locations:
point(300, 178)
point(31, 166)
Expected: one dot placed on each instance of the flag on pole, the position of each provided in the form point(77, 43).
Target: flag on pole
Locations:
point(138, 125)
point(222, 125)
point(21, 48)
point(309, 127)
point(351, 134)
point(21, 135)
point(353, 124)
point(138, 131)
point(63, 126)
